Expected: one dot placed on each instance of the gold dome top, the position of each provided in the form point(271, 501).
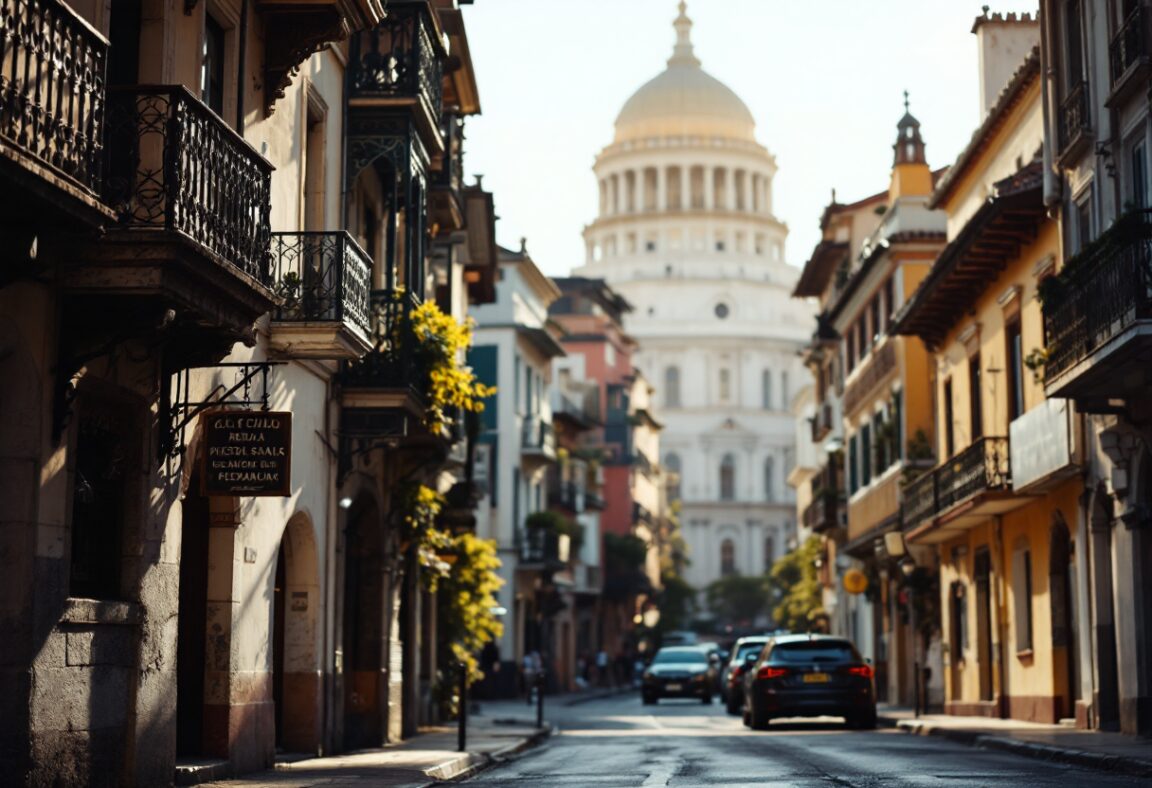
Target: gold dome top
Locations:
point(684, 101)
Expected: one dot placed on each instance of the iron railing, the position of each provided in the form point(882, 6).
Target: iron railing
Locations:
point(822, 422)
point(823, 513)
point(394, 362)
point(594, 501)
point(322, 277)
point(398, 59)
point(173, 165)
point(1102, 292)
point(542, 545)
point(981, 467)
point(52, 71)
point(1073, 116)
point(538, 435)
point(1128, 45)
point(451, 173)
point(919, 499)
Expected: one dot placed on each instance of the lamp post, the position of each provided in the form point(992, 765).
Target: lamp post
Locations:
point(908, 568)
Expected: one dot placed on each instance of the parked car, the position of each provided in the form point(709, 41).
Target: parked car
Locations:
point(679, 672)
point(809, 676)
point(679, 637)
point(732, 676)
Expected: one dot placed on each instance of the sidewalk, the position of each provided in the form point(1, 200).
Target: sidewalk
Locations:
point(1115, 752)
point(421, 761)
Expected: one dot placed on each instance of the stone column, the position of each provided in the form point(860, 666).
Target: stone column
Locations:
point(709, 195)
point(685, 187)
point(661, 188)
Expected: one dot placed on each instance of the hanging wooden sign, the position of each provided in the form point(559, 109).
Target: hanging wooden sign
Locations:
point(247, 453)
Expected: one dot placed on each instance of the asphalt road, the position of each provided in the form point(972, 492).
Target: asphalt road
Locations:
point(619, 742)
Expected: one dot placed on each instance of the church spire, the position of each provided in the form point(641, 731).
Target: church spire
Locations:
point(909, 145)
point(682, 54)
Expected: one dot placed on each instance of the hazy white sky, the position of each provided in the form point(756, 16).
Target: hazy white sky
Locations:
point(823, 78)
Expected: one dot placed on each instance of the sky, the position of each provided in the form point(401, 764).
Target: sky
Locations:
point(823, 78)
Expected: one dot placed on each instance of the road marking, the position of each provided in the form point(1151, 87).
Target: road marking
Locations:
point(662, 775)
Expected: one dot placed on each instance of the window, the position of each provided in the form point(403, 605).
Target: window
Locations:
point(1022, 595)
point(725, 385)
point(212, 65)
point(769, 553)
point(672, 387)
point(883, 447)
point(784, 391)
point(949, 437)
point(897, 416)
point(853, 479)
point(672, 465)
point(766, 389)
point(850, 346)
point(727, 557)
point(1083, 224)
point(959, 611)
point(976, 409)
point(890, 297)
point(769, 478)
point(876, 329)
point(1138, 188)
point(650, 246)
point(1014, 354)
point(728, 478)
point(1073, 44)
point(721, 311)
point(866, 455)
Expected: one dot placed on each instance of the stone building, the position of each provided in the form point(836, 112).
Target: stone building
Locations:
point(687, 234)
point(199, 202)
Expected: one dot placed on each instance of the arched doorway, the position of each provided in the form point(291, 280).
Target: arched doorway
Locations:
point(295, 646)
point(363, 628)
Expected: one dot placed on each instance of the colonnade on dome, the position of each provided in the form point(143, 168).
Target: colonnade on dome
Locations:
point(685, 187)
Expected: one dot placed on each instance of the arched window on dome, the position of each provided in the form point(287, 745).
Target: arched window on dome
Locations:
point(728, 478)
point(769, 553)
point(696, 184)
point(755, 193)
point(739, 185)
point(769, 479)
point(766, 389)
point(672, 387)
point(727, 557)
point(720, 188)
point(614, 193)
point(630, 191)
point(674, 184)
point(673, 465)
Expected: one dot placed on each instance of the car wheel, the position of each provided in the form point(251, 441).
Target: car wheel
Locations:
point(864, 722)
point(648, 699)
point(759, 718)
point(732, 706)
point(706, 700)
point(747, 718)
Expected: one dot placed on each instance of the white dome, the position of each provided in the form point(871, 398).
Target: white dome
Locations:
point(684, 100)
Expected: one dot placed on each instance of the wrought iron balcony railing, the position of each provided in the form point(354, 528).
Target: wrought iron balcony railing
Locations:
point(1073, 116)
point(1101, 293)
point(823, 514)
point(398, 59)
point(538, 435)
point(52, 70)
point(982, 467)
point(172, 165)
point(1129, 44)
point(594, 501)
point(822, 422)
point(542, 546)
point(393, 363)
point(322, 277)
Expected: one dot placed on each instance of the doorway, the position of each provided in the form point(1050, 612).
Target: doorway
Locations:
point(982, 569)
point(192, 626)
point(363, 629)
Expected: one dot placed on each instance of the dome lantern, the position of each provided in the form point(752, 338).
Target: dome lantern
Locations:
point(909, 144)
point(682, 53)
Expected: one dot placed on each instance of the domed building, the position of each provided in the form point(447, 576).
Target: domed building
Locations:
point(687, 233)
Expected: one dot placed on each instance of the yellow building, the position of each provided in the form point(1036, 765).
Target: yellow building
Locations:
point(1001, 504)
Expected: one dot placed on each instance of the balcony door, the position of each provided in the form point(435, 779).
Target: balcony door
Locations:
point(983, 573)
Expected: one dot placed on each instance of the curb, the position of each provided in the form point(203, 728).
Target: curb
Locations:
point(1118, 764)
point(469, 764)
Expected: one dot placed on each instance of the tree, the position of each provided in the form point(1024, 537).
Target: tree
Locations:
point(466, 599)
point(737, 599)
point(676, 602)
point(796, 588)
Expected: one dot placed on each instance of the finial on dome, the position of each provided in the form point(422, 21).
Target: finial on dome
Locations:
point(682, 54)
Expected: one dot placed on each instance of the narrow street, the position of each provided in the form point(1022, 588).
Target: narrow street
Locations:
point(619, 742)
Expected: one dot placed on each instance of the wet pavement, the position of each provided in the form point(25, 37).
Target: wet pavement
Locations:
point(619, 742)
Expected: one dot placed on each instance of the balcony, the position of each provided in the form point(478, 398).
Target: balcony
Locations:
point(192, 203)
point(382, 394)
point(1128, 58)
point(395, 70)
point(1098, 318)
point(446, 186)
point(822, 423)
point(567, 496)
point(543, 549)
point(594, 501)
point(960, 493)
point(878, 365)
point(324, 280)
point(641, 515)
point(52, 70)
point(537, 441)
point(823, 514)
point(1073, 119)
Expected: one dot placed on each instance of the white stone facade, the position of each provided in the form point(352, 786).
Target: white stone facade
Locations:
point(687, 233)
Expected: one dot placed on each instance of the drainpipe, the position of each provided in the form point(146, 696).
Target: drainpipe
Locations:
point(1048, 77)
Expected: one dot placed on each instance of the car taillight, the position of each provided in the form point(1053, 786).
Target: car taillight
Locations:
point(735, 675)
point(864, 671)
point(767, 672)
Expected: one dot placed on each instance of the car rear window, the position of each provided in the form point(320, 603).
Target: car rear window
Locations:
point(678, 656)
point(816, 651)
point(746, 649)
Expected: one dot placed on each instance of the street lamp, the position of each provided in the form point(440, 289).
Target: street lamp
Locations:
point(908, 568)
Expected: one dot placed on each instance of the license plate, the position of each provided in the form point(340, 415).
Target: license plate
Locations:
point(816, 678)
point(673, 687)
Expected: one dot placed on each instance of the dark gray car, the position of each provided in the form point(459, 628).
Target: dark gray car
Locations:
point(679, 672)
point(732, 677)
